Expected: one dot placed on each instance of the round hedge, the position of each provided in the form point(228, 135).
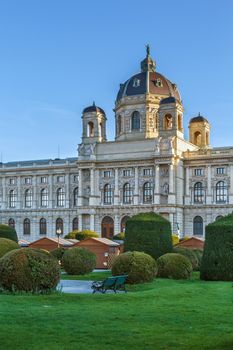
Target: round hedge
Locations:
point(175, 266)
point(6, 245)
point(149, 233)
point(217, 261)
point(8, 232)
point(190, 255)
point(139, 267)
point(29, 270)
point(78, 261)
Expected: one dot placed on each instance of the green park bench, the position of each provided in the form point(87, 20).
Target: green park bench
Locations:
point(114, 283)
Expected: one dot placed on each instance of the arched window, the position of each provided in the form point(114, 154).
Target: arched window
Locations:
point(90, 129)
point(26, 227)
point(108, 194)
point(119, 124)
point(197, 138)
point(60, 197)
point(123, 222)
point(43, 226)
point(198, 226)
point(135, 121)
point(11, 223)
point(127, 194)
point(147, 192)
point(221, 192)
point(168, 123)
point(75, 224)
point(218, 217)
point(199, 194)
point(44, 197)
point(28, 198)
point(75, 194)
point(12, 199)
point(107, 227)
point(59, 225)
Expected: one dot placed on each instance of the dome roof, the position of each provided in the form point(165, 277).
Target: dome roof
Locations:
point(148, 81)
point(93, 108)
point(199, 119)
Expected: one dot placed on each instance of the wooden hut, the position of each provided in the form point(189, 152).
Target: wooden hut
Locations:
point(192, 243)
point(49, 243)
point(104, 249)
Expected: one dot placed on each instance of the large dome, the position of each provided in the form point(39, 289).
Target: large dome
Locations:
point(148, 81)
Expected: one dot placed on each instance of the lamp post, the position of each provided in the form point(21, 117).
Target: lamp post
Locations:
point(58, 233)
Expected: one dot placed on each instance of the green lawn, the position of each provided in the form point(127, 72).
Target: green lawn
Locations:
point(165, 314)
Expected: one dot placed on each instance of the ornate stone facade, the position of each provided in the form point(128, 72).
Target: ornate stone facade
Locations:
point(149, 167)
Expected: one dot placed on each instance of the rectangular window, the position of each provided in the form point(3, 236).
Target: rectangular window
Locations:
point(126, 172)
point(220, 171)
point(147, 172)
point(60, 179)
point(28, 181)
point(198, 172)
point(44, 179)
point(107, 173)
point(12, 181)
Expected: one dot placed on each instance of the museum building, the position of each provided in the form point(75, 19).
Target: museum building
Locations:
point(148, 167)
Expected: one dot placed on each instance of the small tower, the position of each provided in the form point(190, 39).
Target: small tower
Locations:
point(171, 117)
point(94, 125)
point(199, 132)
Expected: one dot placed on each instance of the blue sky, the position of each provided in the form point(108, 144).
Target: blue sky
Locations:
point(57, 56)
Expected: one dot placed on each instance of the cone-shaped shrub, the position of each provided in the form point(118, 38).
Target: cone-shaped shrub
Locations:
point(175, 266)
point(29, 270)
point(149, 233)
point(8, 232)
point(6, 245)
point(139, 267)
point(217, 260)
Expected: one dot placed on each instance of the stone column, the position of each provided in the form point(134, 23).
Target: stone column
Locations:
point(208, 190)
point(92, 222)
point(171, 196)
point(116, 225)
point(188, 198)
point(116, 191)
point(156, 193)
point(80, 222)
point(67, 191)
point(34, 193)
point(136, 194)
point(92, 185)
point(51, 201)
point(20, 196)
point(97, 187)
point(171, 221)
point(231, 184)
point(4, 194)
point(80, 189)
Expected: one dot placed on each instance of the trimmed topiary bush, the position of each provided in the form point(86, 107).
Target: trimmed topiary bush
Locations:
point(29, 270)
point(8, 232)
point(86, 234)
point(72, 234)
point(175, 266)
point(78, 261)
point(217, 260)
point(190, 255)
point(139, 267)
point(6, 245)
point(149, 233)
point(58, 253)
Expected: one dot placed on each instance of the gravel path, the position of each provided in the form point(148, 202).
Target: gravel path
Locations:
point(74, 286)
